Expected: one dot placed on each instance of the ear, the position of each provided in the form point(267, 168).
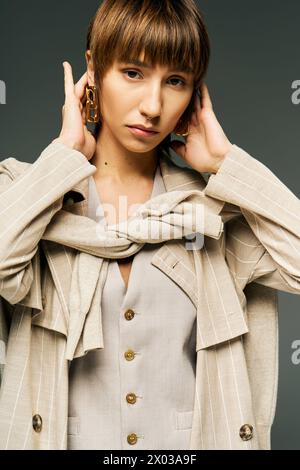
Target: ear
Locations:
point(90, 68)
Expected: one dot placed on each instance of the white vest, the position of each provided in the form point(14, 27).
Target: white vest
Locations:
point(150, 397)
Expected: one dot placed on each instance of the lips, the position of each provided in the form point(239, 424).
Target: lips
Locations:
point(141, 132)
point(142, 128)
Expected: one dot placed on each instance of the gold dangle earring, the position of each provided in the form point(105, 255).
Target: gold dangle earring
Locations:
point(92, 114)
point(185, 134)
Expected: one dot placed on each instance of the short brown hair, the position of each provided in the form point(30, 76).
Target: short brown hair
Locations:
point(170, 32)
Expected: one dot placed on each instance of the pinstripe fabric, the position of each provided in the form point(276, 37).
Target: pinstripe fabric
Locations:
point(232, 282)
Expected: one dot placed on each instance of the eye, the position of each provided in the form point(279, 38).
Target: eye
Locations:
point(182, 83)
point(130, 71)
point(179, 80)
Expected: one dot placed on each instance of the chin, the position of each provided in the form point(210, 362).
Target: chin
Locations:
point(141, 147)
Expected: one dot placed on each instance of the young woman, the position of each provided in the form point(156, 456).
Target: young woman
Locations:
point(114, 338)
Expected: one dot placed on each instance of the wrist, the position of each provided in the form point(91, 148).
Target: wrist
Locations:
point(217, 165)
point(67, 142)
point(221, 159)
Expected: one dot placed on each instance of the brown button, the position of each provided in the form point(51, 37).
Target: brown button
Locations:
point(132, 438)
point(131, 398)
point(246, 432)
point(37, 423)
point(129, 314)
point(129, 355)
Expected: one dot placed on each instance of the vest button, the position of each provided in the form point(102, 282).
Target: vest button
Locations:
point(132, 438)
point(131, 398)
point(129, 314)
point(129, 355)
point(246, 432)
point(37, 423)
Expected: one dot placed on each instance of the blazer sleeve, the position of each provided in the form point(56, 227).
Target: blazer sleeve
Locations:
point(264, 242)
point(27, 204)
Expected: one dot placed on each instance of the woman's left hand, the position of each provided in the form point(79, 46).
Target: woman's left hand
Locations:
point(206, 145)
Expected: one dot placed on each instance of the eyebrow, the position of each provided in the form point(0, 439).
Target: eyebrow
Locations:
point(139, 63)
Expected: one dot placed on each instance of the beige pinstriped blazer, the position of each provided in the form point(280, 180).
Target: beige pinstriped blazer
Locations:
point(237, 343)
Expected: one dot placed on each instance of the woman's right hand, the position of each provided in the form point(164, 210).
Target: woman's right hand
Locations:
point(74, 132)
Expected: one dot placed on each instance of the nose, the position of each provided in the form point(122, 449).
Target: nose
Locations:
point(151, 105)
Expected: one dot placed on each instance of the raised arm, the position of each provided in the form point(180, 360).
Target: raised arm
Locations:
point(29, 200)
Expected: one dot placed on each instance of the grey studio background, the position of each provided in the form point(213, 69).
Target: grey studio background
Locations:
point(255, 60)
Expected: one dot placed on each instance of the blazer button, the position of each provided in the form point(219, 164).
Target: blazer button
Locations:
point(129, 314)
point(131, 398)
point(132, 438)
point(246, 432)
point(129, 355)
point(37, 423)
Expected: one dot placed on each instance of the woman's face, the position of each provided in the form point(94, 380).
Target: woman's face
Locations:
point(132, 92)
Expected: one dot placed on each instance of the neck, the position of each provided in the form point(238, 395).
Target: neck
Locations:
point(120, 165)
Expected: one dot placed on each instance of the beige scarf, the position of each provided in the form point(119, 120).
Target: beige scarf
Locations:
point(168, 216)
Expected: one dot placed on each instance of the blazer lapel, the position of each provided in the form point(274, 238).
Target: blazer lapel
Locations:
point(173, 259)
point(220, 315)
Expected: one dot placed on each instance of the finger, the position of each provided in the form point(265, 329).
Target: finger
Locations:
point(69, 82)
point(80, 86)
point(206, 101)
